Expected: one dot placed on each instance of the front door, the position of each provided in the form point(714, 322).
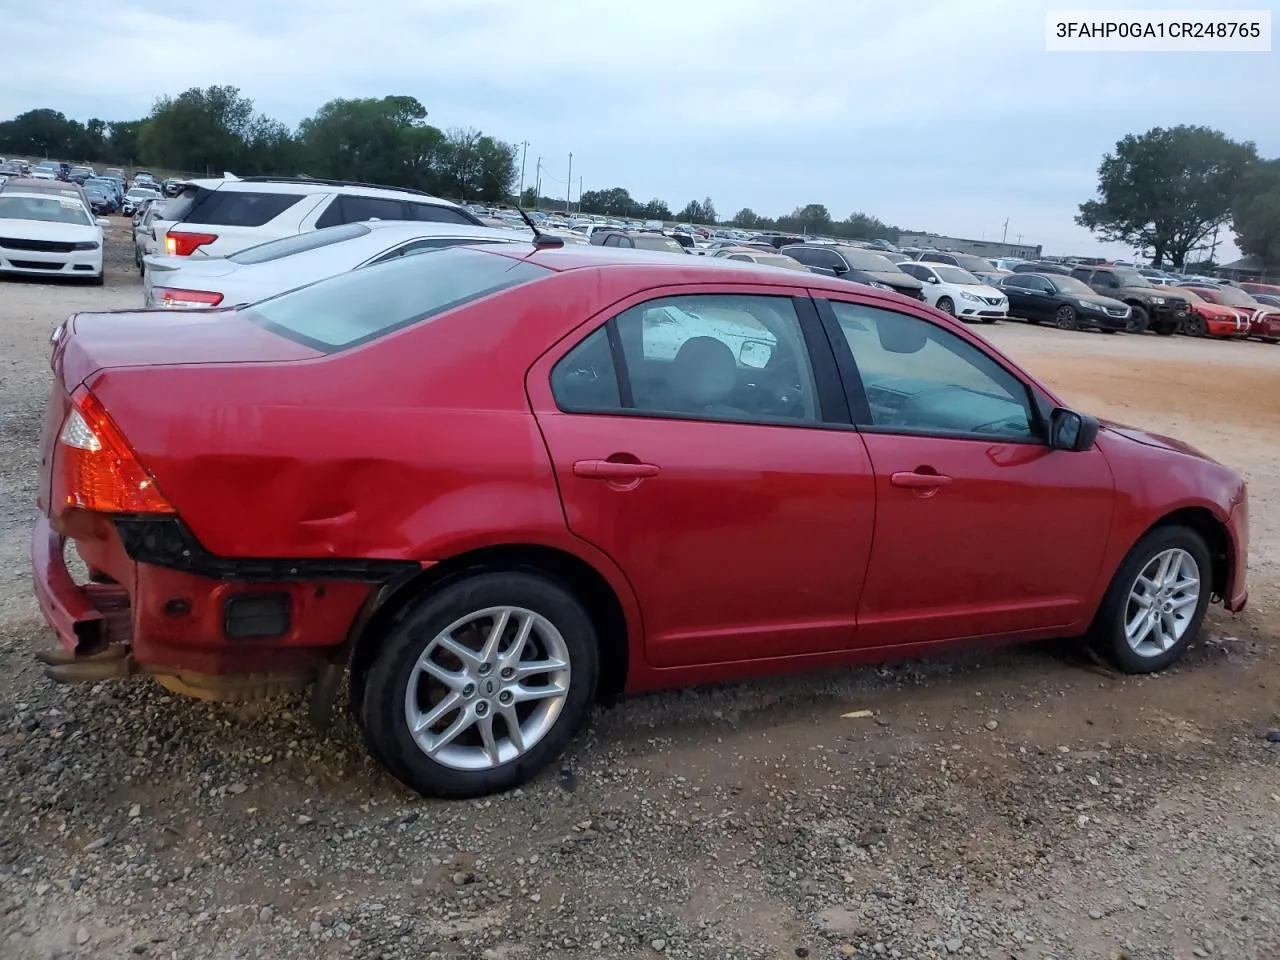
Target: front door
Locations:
point(740, 510)
point(981, 529)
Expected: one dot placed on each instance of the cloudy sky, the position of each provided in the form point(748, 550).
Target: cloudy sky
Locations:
point(942, 115)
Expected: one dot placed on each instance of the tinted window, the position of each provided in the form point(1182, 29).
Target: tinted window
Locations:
point(363, 305)
point(920, 378)
point(430, 213)
point(938, 257)
point(1024, 282)
point(718, 357)
point(356, 209)
point(288, 246)
point(238, 208)
point(815, 257)
point(865, 260)
point(1102, 278)
point(1065, 285)
point(585, 377)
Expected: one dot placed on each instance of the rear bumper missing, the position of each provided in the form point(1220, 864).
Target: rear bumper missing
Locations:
point(85, 618)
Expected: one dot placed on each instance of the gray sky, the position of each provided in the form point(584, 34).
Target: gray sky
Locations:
point(934, 115)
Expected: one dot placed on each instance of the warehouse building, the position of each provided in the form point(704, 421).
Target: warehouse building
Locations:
point(982, 248)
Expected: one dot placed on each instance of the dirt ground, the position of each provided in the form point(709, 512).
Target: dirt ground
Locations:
point(1017, 804)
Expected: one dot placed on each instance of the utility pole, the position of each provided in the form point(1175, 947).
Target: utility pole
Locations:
point(568, 190)
point(1004, 237)
point(524, 149)
point(537, 188)
point(1019, 239)
point(579, 194)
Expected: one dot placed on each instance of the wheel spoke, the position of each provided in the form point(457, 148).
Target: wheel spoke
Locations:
point(1138, 628)
point(1168, 632)
point(464, 720)
point(438, 712)
point(516, 651)
point(1181, 603)
point(496, 630)
point(535, 667)
point(490, 745)
point(514, 733)
point(450, 678)
point(525, 694)
point(1162, 570)
point(460, 650)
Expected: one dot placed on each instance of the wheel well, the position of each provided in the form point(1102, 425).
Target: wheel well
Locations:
point(576, 575)
point(1215, 537)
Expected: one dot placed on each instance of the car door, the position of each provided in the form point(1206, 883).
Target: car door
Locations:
point(701, 440)
point(1033, 296)
point(924, 273)
point(981, 529)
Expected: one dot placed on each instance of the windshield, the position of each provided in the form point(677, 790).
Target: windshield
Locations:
point(779, 260)
point(141, 194)
point(954, 274)
point(1235, 298)
point(46, 165)
point(363, 305)
point(1132, 278)
point(1072, 285)
point(288, 246)
point(973, 263)
point(49, 209)
point(866, 260)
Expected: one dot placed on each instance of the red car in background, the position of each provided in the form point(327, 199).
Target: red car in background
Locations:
point(499, 484)
point(1269, 289)
point(1209, 319)
point(1264, 321)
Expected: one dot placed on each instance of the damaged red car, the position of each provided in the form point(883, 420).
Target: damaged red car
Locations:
point(1264, 321)
point(491, 487)
point(1209, 319)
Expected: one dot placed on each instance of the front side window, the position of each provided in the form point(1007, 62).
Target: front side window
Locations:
point(708, 357)
point(922, 379)
point(362, 305)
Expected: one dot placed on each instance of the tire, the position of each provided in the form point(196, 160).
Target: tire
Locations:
point(989, 319)
point(1196, 326)
point(560, 629)
point(1139, 321)
point(1064, 318)
point(1118, 605)
point(99, 280)
point(947, 306)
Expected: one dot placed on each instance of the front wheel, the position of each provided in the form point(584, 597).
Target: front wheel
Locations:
point(1156, 602)
point(947, 306)
point(1064, 318)
point(481, 685)
point(1196, 326)
point(1139, 320)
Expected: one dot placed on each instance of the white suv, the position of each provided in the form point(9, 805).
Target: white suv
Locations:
point(216, 218)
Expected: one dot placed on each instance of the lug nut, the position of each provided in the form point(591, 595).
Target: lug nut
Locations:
point(469, 690)
point(505, 697)
point(482, 708)
point(508, 673)
point(484, 669)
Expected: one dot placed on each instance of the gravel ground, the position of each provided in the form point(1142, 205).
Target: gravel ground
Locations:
point(1019, 804)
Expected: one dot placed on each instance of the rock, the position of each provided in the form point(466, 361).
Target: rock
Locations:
point(955, 945)
point(265, 914)
point(847, 950)
point(100, 844)
point(82, 936)
point(802, 951)
point(992, 724)
point(1272, 736)
point(315, 929)
point(303, 820)
point(659, 944)
point(462, 878)
point(135, 811)
point(236, 789)
point(1095, 914)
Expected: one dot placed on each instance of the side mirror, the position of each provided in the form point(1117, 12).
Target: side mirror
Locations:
point(755, 354)
point(1071, 431)
point(934, 280)
point(839, 269)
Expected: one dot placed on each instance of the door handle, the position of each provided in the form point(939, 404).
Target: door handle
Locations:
point(613, 470)
point(919, 481)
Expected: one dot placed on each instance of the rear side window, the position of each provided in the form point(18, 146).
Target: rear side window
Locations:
point(362, 305)
point(430, 213)
point(239, 208)
point(288, 246)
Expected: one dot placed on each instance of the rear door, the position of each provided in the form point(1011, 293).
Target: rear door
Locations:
point(700, 439)
point(981, 529)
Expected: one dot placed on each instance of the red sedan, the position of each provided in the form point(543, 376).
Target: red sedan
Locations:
point(1264, 321)
point(1209, 319)
point(503, 483)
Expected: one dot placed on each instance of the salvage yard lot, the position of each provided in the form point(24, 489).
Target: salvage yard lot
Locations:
point(1020, 803)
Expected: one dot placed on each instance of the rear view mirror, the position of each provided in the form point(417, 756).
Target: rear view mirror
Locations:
point(755, 354)
point(1072, 431)
point(901, 335)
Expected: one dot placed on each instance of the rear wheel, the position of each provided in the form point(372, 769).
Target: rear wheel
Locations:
point(1156, 602)
point(947, 305)
point(481, 685)
point(1064, 318)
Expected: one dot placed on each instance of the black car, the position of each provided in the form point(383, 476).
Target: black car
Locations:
point(857, 265)
point(100, 202)
point(1065, 302)
point(1042, 266)
point(1157, 308)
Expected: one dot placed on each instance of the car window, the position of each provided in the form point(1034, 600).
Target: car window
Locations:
point(1103, 278)
point(356, 209)
point(433, 213)
point(362, 305)
point(710, 357)
point(237, 208)
point(288, 246)
point(1016, 281)
point(435, 243)
point(922, 379)
point(739, 256)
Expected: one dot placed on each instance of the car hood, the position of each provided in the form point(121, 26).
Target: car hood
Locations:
point(1142, 293)
point(898, 279)
point(1160, 442)
point(43, 230)
point(1210, 309)
point(981, 289)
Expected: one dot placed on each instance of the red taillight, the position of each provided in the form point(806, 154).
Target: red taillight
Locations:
point(184, 299)
point(179, 244)
point(96, 469)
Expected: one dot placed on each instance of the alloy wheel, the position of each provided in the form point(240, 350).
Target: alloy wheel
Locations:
point(1065, 318)
point(487, 688)
point(1162, 602)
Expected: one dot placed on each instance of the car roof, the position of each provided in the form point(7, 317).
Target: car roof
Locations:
point(308, 185)
point(679, 267)
point(393, 229)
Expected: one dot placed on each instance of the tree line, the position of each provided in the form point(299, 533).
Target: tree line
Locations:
point(1168, 192)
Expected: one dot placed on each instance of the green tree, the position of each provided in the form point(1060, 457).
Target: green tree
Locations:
point(43, 133)
point(613, 202)
point(693, 212)
point(863, 226)
point(747, 219)
point(709, 212)
point(122, 141)
point(655, 209)
point(205, 129)
point(1256, 213)
point(529, 198)
point(1167, 189)
point(378, 140)
point(811, 218)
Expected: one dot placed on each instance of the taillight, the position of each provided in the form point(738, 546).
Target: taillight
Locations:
point(175, 298)
point(96, 469)
point(184, 244)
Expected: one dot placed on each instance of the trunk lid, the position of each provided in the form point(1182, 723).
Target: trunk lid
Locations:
point(98, 341)
point(193, 266)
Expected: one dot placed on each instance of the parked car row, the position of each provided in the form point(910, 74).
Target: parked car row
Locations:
point(48, 229)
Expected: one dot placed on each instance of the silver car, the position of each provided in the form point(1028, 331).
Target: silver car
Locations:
point(277, 266)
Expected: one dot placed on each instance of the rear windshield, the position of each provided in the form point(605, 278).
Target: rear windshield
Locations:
point(239, 208)
point(288, 246)
point(362, 305)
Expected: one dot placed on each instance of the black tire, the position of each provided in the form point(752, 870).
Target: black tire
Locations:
point(988, 319)
point(1196, 326)
point(1064, 318)
point(947, 306)
point(1139, 320)
point(382, 712)
point(1108, 631)
point(99, 280)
